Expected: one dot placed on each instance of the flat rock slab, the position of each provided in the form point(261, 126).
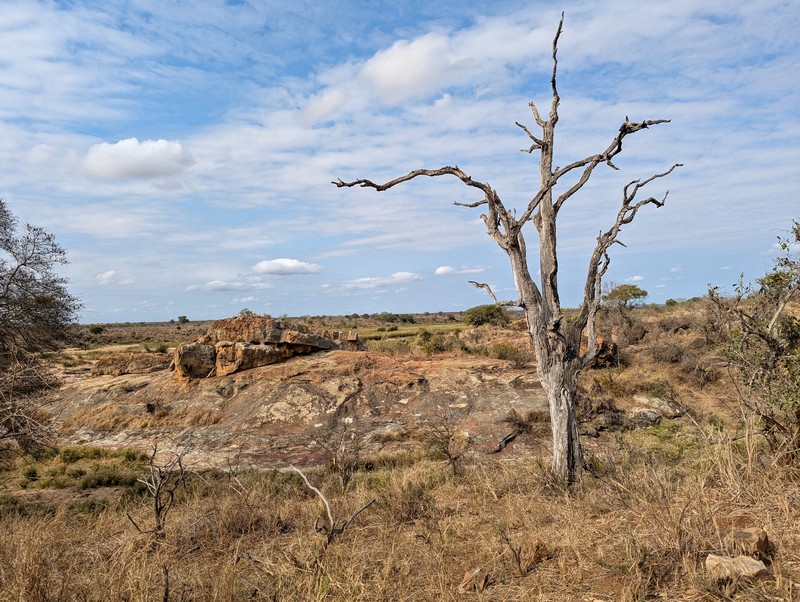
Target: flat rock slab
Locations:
point(284, 413)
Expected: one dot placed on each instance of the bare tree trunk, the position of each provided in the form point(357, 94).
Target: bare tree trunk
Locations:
point(556, 342)
point(561, 384)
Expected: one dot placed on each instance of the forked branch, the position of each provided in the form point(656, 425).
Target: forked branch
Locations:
point(600, 259)
point(334, 526)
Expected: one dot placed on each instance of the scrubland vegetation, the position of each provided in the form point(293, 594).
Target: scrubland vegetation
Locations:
point(81, 523)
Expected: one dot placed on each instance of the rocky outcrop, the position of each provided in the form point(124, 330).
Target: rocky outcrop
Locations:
point(246, 342)
point(290, 412)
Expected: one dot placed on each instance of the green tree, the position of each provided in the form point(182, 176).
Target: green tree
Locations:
point(36, 312)
point(760, 332)
point(621, 299)
point(624, 296)
point(486, 314)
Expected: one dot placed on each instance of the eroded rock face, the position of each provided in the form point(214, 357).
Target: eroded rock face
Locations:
point(246, 342)
point(195, 360)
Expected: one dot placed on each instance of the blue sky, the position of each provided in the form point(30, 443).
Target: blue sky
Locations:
point(182, 152)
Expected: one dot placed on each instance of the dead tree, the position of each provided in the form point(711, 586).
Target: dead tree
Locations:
point(556, 341)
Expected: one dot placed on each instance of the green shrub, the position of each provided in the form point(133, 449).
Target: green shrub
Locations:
point(438, 342)
point(509, 351)
point(486, 314)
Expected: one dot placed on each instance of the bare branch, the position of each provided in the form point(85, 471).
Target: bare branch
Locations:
point(332, 529)
point(556, 98)
point(538, 118)
point(346, 523)
point(487, 288)
point(589, 163)
point(472, 205)
point(431, 173)
point(497, 216)
point(600, 260)
point(315, 490)
point(537, 143)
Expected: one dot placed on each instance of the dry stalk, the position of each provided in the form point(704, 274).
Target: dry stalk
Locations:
point(334, 526)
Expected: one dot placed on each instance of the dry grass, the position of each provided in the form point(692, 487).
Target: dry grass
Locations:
point(637, 528)
point(652, 505)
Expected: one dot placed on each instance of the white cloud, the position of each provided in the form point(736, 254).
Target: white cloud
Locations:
point(323, 104)
point(285, 267)
point(408, 68)
point(130, 158)
point(396, 278)
point(447, 270)
point(635, 279)
point(106, 278)
point(227, 285)
point(676, 269)
point(41, 154)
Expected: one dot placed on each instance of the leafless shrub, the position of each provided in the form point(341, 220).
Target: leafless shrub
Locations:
point(343, 445)
point(24, 380)
point(667, 350)
point(165, 478)
point(334, 526)
point(441, 433)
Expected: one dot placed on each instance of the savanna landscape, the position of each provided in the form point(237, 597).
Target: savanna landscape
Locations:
point(133, 499)
point(572, 439)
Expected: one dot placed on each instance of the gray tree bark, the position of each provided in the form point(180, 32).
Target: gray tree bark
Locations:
point(555, 341)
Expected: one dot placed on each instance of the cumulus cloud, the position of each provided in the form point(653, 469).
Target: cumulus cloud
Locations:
point(408, 67)
point(285, 267)
point(396, 278)
point(131, 158)
point(448, 270)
